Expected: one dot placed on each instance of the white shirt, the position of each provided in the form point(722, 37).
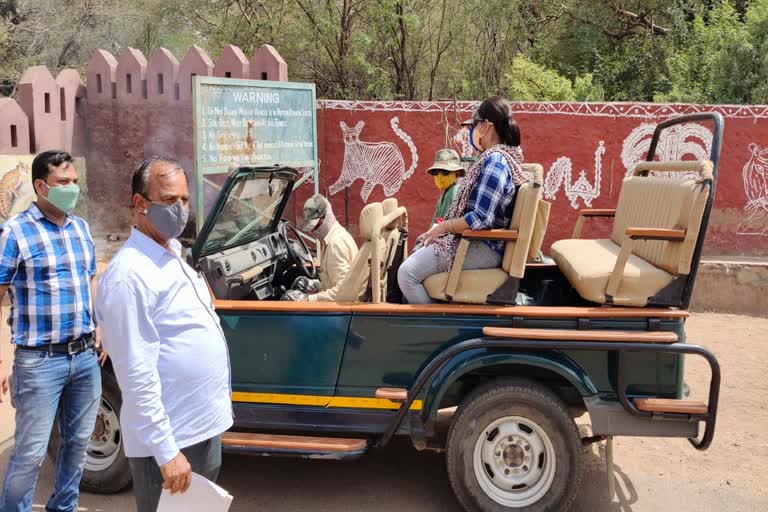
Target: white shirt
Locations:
point(167, 348)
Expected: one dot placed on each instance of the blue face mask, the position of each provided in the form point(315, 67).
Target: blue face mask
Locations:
point(476, 147)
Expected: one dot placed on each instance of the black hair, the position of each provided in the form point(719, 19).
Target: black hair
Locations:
point(41, 165)
point(498, 110)
point(140, 179)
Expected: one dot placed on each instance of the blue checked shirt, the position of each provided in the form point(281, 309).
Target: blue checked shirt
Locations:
point(49, 269)
point(492, 199)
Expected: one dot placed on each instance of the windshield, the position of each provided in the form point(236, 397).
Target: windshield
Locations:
point(248, 213)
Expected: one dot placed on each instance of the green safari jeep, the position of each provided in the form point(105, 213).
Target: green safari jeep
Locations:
point(602, 332)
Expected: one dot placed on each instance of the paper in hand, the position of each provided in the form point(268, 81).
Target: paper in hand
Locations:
point(202, 495)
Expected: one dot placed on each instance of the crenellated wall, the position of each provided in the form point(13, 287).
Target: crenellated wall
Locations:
point(129, 108)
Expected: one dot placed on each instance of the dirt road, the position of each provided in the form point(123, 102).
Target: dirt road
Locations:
point(653, 474)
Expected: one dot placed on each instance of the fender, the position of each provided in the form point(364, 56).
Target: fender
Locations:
point(471, 360)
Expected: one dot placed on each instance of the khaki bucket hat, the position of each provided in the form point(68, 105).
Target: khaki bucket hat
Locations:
point(446, 160)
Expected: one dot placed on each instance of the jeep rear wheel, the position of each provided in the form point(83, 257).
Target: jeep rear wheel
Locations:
point(513, 446)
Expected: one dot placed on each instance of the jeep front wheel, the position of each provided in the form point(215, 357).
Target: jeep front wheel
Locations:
point(513, 446)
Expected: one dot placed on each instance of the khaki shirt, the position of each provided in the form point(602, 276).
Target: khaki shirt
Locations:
point(339, 252)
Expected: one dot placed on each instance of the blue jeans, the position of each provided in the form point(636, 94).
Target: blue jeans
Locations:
point(43, 383)
point(204, 457)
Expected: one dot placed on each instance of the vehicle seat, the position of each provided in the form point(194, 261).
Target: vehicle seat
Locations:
point(395, 245)
point(367, 266)
point(655, 231)
point(497, 285)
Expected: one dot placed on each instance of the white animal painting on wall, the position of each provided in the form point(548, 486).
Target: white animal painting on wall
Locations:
point(688, 141)
point(461, 140)
point(376, 163)
point(755, 175)
point(560, 175)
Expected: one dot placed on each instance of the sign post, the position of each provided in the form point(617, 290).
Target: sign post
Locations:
point(253, 122)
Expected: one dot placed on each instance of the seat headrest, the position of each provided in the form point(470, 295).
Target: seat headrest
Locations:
point(704, 168)
point(389, 205)
point(537, 171)
point(369, 217)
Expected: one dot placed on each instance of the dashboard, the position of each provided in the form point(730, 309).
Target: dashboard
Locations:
point(246, 271)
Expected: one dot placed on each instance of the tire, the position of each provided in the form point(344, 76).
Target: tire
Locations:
point(106, 466)
point(513, 446)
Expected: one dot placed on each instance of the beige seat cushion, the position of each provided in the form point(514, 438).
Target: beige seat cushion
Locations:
point(474, 285)
point(588, 264)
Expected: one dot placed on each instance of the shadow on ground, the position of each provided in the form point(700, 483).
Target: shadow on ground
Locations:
point(396, 479)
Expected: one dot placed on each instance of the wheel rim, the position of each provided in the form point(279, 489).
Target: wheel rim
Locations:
point(514, 461)
point(106, 441)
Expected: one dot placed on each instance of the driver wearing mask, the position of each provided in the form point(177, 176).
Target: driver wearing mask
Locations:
point(338, 248)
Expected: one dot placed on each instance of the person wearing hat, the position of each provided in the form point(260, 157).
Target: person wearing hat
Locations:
point(338, 248)
point(445, 171)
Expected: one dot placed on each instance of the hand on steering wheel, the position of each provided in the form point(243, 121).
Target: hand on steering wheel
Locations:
point(298, 251)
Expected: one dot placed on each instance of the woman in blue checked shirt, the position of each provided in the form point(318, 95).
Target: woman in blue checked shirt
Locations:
point(485, 201)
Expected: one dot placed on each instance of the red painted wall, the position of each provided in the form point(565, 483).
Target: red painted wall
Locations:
point(553, 135)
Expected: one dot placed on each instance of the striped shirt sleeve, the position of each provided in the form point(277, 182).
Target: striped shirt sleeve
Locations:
point(9, 256)
point(488, 194)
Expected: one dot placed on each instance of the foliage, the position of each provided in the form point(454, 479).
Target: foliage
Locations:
point(713, 51)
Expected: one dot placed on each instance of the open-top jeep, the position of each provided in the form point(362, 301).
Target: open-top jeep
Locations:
point(604, 335)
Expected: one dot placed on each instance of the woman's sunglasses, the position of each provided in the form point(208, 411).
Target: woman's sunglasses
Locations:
point(441, 172)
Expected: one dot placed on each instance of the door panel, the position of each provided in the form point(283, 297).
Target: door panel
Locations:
point(287, 354)
point(390, 351)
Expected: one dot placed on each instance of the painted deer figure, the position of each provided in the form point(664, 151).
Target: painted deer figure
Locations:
point(376, 163)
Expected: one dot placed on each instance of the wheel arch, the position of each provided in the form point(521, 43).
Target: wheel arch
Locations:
point(485, 364)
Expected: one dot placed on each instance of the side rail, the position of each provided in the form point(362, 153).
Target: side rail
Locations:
point(621, 348)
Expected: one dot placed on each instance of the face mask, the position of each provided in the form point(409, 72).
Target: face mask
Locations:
point(475, 145)
point(310, 225)
point(444, 182)
point(168, 220)
point(63, 198)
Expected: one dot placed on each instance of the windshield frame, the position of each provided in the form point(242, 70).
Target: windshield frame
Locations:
point(237, 176)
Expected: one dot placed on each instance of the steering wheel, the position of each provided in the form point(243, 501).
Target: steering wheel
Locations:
point(298, 252)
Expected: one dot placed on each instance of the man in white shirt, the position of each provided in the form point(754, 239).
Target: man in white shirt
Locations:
point(168, 350)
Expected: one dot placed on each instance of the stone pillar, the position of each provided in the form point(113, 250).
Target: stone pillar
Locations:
point(14, 129)
point(267, 64)
point(232, 63)
point(39, 97)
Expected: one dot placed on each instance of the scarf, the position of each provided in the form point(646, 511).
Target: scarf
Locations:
point(326, 224)
point(447, 244)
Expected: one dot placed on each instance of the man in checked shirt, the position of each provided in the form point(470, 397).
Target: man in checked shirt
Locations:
point(48, 262)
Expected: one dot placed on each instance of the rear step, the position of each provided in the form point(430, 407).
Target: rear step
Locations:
point(294, 446)
point(665, 405)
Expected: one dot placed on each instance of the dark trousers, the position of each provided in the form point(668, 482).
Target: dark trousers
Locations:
point(204, 457)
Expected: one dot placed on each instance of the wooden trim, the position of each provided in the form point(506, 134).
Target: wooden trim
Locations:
point(448, 309)
point(598, 212)
point(656, 234)
point(670, 405)
point(394, 394)
point(320, 444)
point(490, 234)
point(581, 335)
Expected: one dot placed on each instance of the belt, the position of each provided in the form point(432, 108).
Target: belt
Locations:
point(73, 347)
